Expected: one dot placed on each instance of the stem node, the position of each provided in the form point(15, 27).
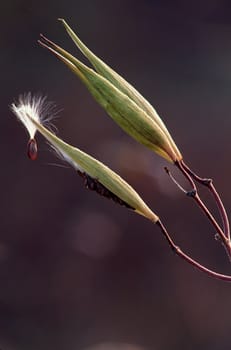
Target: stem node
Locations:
point(191, 193)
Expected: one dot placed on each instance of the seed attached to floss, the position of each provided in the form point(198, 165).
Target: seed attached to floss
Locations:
point(29, 108)
point(32, 149)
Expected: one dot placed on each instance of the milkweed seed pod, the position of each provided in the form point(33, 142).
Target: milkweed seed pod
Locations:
point(126, 106)
point(96, 175)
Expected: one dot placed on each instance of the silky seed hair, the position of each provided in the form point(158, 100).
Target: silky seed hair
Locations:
point(38, 108)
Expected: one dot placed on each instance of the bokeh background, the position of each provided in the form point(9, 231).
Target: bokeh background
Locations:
point(78, 272)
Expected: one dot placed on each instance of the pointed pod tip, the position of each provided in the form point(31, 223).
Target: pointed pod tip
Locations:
point(62, 20)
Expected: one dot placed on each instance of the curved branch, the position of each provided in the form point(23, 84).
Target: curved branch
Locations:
point(188, 259)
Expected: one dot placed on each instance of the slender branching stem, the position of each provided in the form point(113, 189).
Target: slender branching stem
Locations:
point(187, 176)
point(188, 259)
point(194, 194)
point(209, 184)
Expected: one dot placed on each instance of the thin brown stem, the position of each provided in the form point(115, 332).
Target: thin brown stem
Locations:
point(188, 259)
point(174, 180)
point(211, 218)
point(188, 177)
point(194, 194)
point(209, 184)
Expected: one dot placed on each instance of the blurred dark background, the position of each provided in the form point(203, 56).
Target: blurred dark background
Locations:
point(76, 270)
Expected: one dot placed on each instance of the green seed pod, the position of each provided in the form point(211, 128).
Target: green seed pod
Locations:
point(121, 101)
point(108, 73)
point(97, 175)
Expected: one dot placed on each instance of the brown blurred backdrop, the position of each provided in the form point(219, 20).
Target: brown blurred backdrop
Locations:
point(78, 272)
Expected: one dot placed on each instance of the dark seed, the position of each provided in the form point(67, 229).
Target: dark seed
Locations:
point(32, 149)
point(95, 185)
